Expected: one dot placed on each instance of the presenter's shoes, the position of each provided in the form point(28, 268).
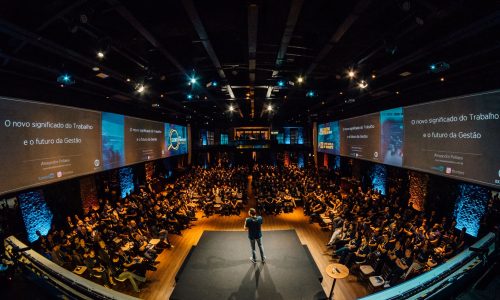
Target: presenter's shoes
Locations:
point(252, 260)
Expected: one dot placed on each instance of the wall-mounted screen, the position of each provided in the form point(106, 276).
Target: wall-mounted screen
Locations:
point(457, 137)
point(175, 140)
point(329, 138)
point(44, 143)
point(144, 140)
point(360, 137)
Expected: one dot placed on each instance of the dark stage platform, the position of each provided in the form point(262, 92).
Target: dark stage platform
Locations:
point(219, 268)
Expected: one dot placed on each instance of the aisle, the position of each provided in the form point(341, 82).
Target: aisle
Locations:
point(161, 283)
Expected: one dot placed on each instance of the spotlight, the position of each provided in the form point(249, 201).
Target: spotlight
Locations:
point(128, 79)
point(351, 74)
point(374, 76)
point(189, 96)
point(300, 79)
point(432, 67)
point(192, 80)
point(231, 108)
point(100, 54)
point(362, 84)
point(140, 88)
point(281, 83)
point(95, 69)
point(310, 94)
point(439, 67)
point(269, 107)
point(442, 79)
point(65, 79)
point(397, 92)
point(215, 83)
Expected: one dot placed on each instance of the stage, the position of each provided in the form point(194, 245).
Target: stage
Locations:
point(219, 268)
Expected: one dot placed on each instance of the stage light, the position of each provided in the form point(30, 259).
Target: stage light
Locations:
point(310, 94)
point(128, 79)
point(100, 54)
point(442, 79)
point(397, 92)
point(300, 79)
point(374, 76)
point(269, 107)
point(189, 96)
point(215, 83)
point(281, 83)
point(65, 79)
point(140, 88)
point(95, 69)
point(340, 93)
point(161, 95)
point(362, 84)
point(432, 67)
point(192, 80)
point(231, 108)
point(351, 74)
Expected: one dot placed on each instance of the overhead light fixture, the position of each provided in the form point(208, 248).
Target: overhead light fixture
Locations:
point(161, 95)
point(351, 74)
point(95, 69)
point(189, 96)
point(281, 83)
point(362, 84)
point(310, 94)
point(397, 92)
point(340, 93)
point(192, 80)
point(269, 107)
point(442, 79)
point(65, 79)
point(374, 76)
point(404, 74)
point(100, 54)
point(140, 88)
point(231, 108)
point(300, 79)
point(439, 67)
point(128, 79)
point(102, 75)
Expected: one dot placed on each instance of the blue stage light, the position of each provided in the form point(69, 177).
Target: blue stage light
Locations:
point(189, 96)
point(432, 67)
point(215, 83)
point(281, 83)
point(65, 79)
point(310, 94)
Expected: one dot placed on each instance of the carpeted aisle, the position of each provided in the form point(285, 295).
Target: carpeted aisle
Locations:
point(219, 268)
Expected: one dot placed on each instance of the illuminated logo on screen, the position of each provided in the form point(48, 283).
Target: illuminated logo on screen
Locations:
point(325, 131)
point(174, 140)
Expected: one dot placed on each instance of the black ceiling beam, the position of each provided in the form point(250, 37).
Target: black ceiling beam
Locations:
point(205, 40)
point(293, 16)
point(45, 24)
point(339, 33)
point(291, 21)
point(253, 21)
point(131, 19)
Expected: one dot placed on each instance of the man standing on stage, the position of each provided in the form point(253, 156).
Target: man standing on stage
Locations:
point(253, 225)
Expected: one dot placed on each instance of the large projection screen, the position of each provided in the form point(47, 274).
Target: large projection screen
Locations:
point(457, 137)
point(44, 143)
point(329, 138)
point(360, 137)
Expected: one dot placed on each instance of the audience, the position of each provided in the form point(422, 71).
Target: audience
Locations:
point(119, 240)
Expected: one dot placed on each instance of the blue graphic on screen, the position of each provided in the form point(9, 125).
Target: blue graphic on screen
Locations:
point(329, 138)
point(391, 137)
point(113, 140)
point(175, 140)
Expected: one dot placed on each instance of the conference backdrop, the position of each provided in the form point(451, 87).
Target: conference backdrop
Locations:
point(43, 143)
point(457, 137)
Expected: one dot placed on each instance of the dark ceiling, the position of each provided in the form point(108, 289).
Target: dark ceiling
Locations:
point(247, 47)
